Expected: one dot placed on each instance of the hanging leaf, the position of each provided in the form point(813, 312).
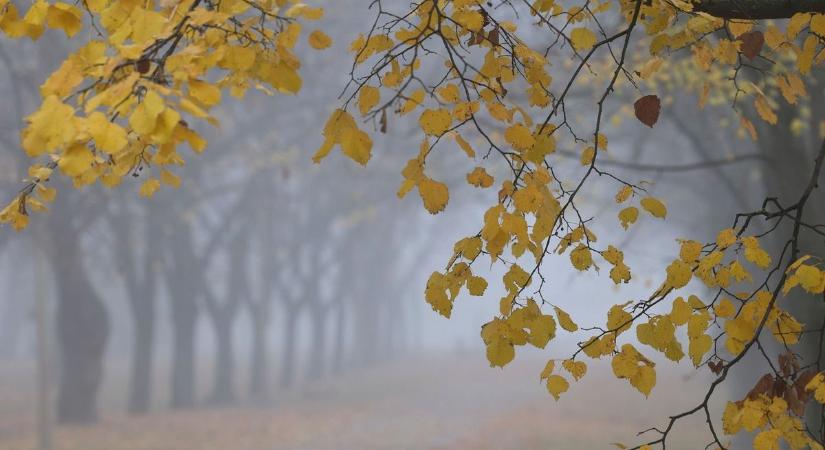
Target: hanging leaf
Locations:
point(647, 109)
point(752, 43)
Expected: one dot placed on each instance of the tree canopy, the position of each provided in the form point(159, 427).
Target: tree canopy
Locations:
point(522, 84)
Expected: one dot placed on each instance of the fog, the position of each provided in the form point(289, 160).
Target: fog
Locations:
point(273, 303)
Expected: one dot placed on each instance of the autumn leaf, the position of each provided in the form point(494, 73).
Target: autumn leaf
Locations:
point(647, 109)
point(752, 43)
point(582, 38)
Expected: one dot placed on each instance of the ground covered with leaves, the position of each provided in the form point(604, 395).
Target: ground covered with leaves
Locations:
point(423, 403)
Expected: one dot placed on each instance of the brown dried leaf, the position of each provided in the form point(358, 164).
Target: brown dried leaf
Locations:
point(752, 43)
point(143, 65)
point(788, 363)
point(762, 386)
point(795, 404)
point(493, 36)
point(647, 109)
point(803, 381)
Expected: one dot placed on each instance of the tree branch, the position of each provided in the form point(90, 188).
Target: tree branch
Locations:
point(758, 9)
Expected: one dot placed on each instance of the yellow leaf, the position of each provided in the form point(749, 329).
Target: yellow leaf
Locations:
point(618, 320)
point(582, 38)
point(564, 320)
point(368, 97)
point(341, 129)
point(75, 160)
point(624, 193)
point(697, 348)
point(500, 353)
point(519, 136)
point(725, 308)
point(796, 24)
point(690, 251)
point(557, 385)
point(581, 258)
point(644, 380)
point(480, 178)
point(818, 24)
point(35, 18)
point(436, 296)
point(356, 144)
point(726, 238)
point(47, 194)
point(680, 312)
point(412, 102)
point(435, 121)
point(464, 145)
point(434, 194)
point(755, 254)
point(548, 370)
point(576, 368)
point(50, 127)
point(146, 25)
point(108, 136)
point(145, 116)
point(655, 207)
point(764, 110)
point(587, 156)
point(678, 274)
point(206, 93)
point(469, 19)
point(149, 187)
point(170, 179)
point(449, 93)
point(319, 40)
point(805, 59)
point(476, 285)
point(65, 17)
point(628, 216)
point(767, 440)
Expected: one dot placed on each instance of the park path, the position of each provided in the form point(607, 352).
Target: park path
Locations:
point(445, 403)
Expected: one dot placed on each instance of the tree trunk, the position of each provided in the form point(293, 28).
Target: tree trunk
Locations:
point(259, 363)
point(288, 357)
point(183, 352)
point(143, 315)
point(82, 330)
point(223, 391)
point(340, 339)
point(319, 337)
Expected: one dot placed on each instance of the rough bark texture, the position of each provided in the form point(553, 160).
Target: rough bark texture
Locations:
point(758, 9)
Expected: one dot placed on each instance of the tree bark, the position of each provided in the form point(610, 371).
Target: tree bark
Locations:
point(223, 391)
point(319, 337)
point(340, 338)
point(184, 315)
point(259, 363)
point(288, 357)
point(758, 9)
point(82, 330)
point(140, 388)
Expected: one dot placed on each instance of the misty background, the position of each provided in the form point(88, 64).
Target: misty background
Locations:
point(270, 303)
